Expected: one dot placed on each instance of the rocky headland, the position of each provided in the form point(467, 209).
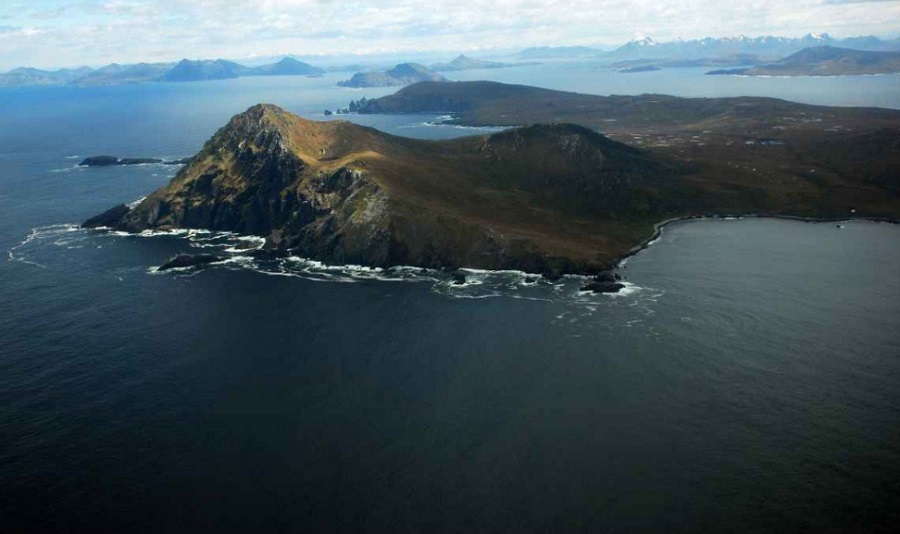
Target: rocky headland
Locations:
point(549, 199)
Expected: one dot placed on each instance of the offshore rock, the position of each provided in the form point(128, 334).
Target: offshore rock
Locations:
point(602, 287)
point(110, 218)
point(190, 260)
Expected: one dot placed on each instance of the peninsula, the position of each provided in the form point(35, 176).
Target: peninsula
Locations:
point(549, 198)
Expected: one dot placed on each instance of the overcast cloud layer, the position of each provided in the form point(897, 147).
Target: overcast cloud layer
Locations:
point(54, 33)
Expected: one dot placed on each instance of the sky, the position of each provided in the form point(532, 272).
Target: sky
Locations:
point(65, 33)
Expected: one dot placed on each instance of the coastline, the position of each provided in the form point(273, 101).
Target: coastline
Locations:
point(658, 227)
point(616, 264)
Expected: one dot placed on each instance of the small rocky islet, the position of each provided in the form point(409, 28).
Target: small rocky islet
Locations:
point(110, 161)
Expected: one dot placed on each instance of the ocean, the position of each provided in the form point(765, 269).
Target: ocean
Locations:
point(747, 379)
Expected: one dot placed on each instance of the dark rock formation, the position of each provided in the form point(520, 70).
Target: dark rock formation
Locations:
point(109, 161)
point(109, 218)
point(602, 287)
point(607, 277)
point(190, 260)
point(138, 161)
point(99, 161)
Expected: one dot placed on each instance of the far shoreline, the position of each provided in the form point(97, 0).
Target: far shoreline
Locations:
point(658, 227)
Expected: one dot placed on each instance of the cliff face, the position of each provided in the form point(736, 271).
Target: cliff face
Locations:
point(533, 198)
point(268, 173)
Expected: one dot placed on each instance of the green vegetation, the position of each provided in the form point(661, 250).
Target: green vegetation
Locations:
point(741, 155)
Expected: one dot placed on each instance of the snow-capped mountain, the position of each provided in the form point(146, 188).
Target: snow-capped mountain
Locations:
point(764, 46)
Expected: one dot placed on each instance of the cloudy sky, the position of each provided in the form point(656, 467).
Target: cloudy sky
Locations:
point(54, 33)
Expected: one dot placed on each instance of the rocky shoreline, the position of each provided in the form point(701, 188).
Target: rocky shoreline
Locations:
point(605, 282)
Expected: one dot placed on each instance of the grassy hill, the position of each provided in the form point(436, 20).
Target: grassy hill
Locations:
point(753, 155)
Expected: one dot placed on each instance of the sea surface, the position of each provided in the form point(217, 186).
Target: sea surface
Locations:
point(747, 379)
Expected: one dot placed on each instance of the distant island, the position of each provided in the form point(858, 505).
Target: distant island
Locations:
point(109, 161)
point(643, 68)
point(824, 61)
point(183, 71)
point(462, 62)
point(548, 198)
point(402, 74)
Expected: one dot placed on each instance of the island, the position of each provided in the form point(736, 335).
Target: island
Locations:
point(462, 62)
point(402, 74)
point(824, 61)
point(554, 198)
point(642, 68)
point(109, 161)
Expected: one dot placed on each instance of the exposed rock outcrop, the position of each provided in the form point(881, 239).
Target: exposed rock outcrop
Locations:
point(110, 218)
point(109, 161)
point(190, 260)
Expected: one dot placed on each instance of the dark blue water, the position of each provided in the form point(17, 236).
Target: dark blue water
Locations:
point(747, 380)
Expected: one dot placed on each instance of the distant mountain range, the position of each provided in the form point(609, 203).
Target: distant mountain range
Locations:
point(709, 48)
point(638, 54)
point(825, 61)
point(183, 71)
point(402, 74)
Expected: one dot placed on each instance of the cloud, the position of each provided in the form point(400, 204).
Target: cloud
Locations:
point(856, 1)
point(101, 31)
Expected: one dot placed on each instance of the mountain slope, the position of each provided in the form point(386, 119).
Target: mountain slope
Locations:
point(744, 155)
point(192, 71)
point(285, 67)
point(24, 76)
point(826, 61)
point(117, 74)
